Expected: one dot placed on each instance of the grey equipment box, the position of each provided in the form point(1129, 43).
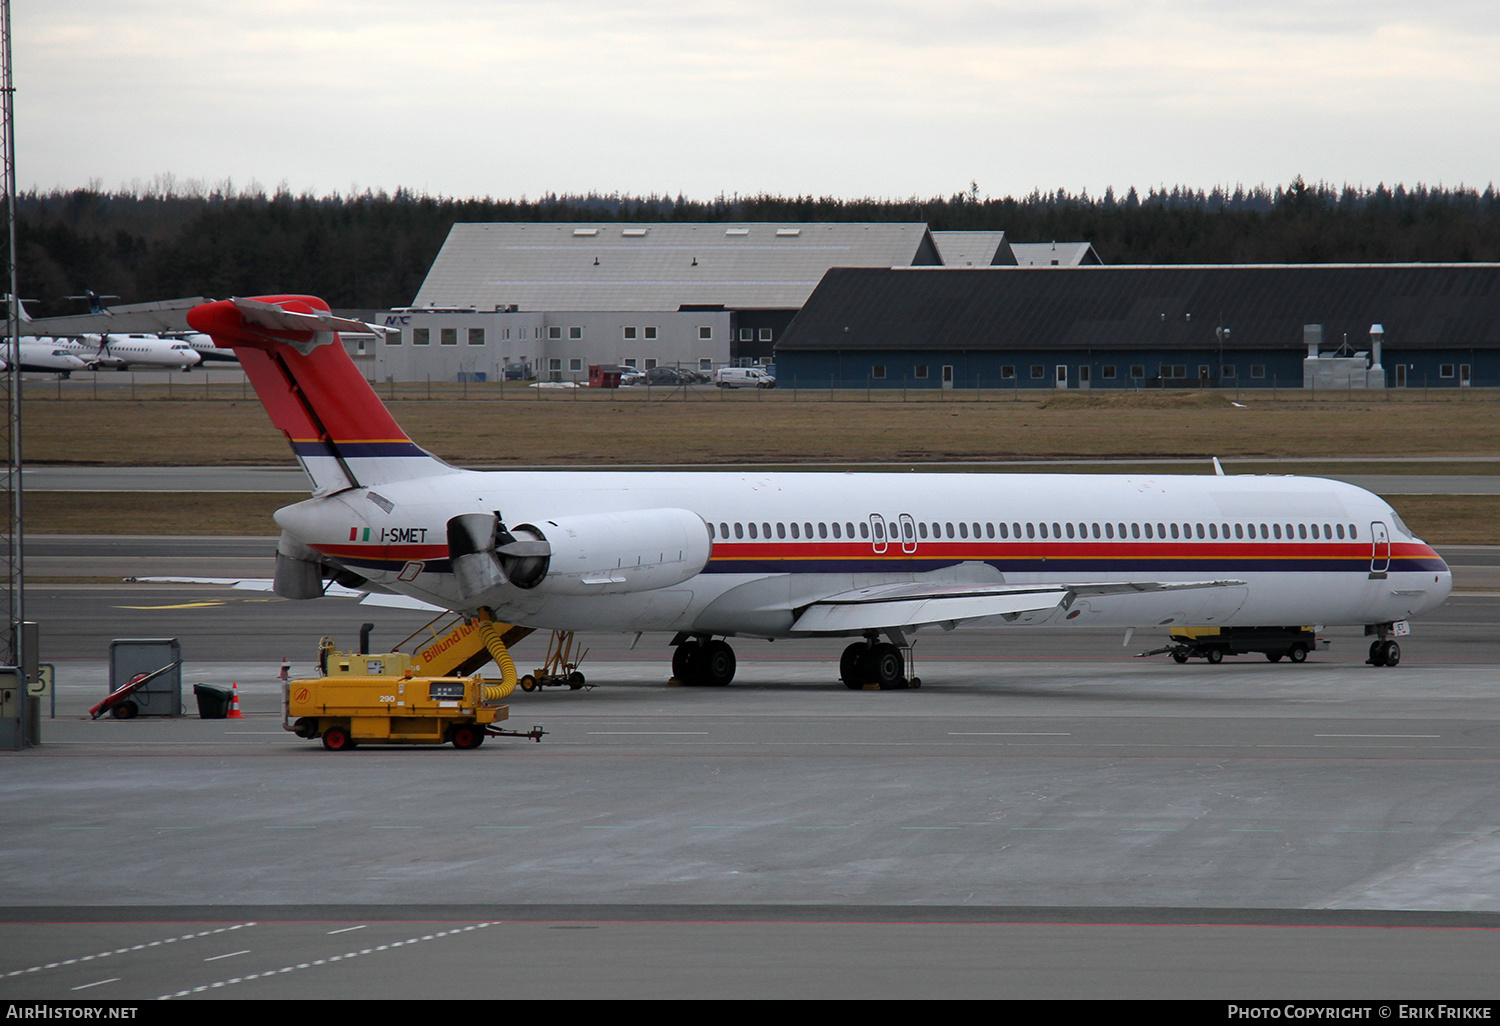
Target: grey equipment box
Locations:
point(130, 657)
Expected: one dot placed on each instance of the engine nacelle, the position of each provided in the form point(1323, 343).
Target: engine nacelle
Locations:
point(609, 553)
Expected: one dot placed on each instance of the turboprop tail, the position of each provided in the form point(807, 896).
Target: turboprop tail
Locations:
point(340, 431)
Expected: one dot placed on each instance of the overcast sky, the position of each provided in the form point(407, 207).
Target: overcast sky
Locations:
point(850, 98)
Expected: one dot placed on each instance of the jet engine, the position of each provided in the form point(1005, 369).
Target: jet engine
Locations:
point(598, 553)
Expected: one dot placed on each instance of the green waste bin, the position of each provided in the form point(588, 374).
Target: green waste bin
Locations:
point(213, 701)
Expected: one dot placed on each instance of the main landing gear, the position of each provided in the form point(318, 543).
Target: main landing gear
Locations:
point(877, 663)
point(703, 662)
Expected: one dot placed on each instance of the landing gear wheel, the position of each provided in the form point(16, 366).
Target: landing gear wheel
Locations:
point(465, 736)
point(125, 711)
point(528, 683)
point(1179, 657)
point(1392, 653)
point(1297, 653)
point(1377, 653)
point(1214, 656)
point(1273, 657)
point(715, 665)
point(337, 739)
point(849, 666)
point(884, 666)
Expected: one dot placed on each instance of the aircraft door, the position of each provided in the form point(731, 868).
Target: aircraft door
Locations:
point(1380, 556)
point(908, 534)
point(877, 533)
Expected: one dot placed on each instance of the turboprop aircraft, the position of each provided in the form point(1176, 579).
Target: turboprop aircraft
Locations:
point(873, 557)
point(44, 355)
point(126, 351)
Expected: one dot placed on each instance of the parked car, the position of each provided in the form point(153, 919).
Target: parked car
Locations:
point(743, 377)
point(668, 376)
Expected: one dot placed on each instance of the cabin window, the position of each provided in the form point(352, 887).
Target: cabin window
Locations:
point(1044, 530)
point(822, 530)
point(1148, 530)
point(1030, 529)
point(906, 529)
point(989, 530)
point(1327, 532)
point(864, 530)
point(723, 530)
point(1109, 530)
point(1070, 530)
point(1341, 532)
point(806, 530)
point(1276, 531)
point(710, 532)
point(1315, 532)
point(794, 531)
point(1353, 532)
point(963, 530)
point(1135, 530)
point(766, 529)
point(1174, 530)
point(950, 530)
point(780, 530)
point(1004, 530)
point(1056, 530)
point(836, 529)
point(922, 529)
point(753, 532)
point(1200, 530)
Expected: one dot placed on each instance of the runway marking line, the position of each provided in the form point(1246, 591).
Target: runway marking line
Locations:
point(231, 954)
point(96, 983)
point(121, 951)
point(331, 959)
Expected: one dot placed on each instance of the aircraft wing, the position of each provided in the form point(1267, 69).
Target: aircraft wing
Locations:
point(918, 605)
point(366, 598)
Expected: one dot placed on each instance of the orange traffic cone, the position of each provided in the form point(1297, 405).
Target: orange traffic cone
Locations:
point(234, 702)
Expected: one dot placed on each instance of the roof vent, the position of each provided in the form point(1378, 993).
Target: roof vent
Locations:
point(785, 232)
point(635, 232)
point(736, 231)
point(585, 231)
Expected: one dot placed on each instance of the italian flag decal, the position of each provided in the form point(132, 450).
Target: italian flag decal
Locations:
point(354, 534)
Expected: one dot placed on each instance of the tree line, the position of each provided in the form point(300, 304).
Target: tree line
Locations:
point(372, 250)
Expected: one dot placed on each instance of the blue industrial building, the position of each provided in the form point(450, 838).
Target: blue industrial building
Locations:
point(1142, 327)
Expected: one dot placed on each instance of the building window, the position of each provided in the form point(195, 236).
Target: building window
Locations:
point(705, 363)
point(1227, 372)
point(1038, 372)
point(476, 336)
point(878, 372)
point(1107, 372)
point(554, 331)
point(705, 332)
point(420, 336)
point(1137, 370)
point(393, 338)
point(575, 364)
point(765, 335)
point(920, 372)
point(650, 362)
point(1257, 370)
point(1445, 370)
point(575, 332)
point(650, 332)
point(746, 334)
point(630, 362)
point(554, 364)
point(1007, 373)
point(630, 333)
point(448, 336)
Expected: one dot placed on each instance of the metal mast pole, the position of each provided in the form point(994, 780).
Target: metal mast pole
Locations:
point(15, 601)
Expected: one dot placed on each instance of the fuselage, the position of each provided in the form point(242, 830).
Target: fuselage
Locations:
point(1286, 550)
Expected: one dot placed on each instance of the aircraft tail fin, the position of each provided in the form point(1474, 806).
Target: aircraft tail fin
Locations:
point(340, 431)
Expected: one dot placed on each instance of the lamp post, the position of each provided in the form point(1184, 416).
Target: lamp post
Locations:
point(1223, 333)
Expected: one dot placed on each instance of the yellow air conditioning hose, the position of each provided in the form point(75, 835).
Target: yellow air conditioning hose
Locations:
point(490, 632)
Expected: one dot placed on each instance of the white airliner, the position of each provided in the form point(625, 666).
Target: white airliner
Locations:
point(44, 355)
point(706, 556)
point(126, 351)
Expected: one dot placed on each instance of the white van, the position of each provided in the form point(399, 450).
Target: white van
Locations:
point(743, 377)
